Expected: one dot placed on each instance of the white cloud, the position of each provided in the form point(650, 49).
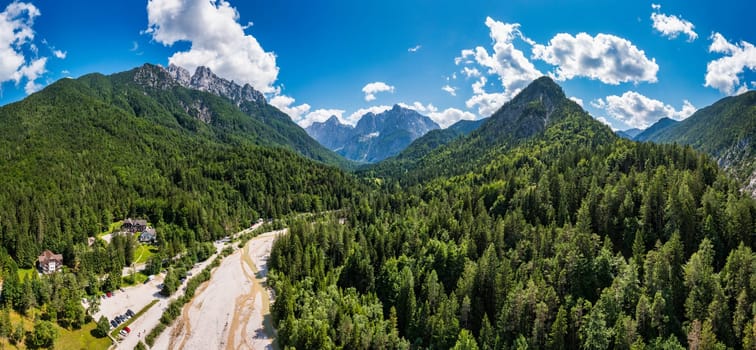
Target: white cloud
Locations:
point(465, 57)
point(723, 73)
point(486, 102)
point(375, 87)
point(605, 57)
point(443, 118)
point(285, 104)
point(507, 62)
point(606, 122)
point(217, 40)
point(471, 72)
point(510, 64)
point(321, 115)
point(450, 116)
point(134, 46)
point(353, 118)
point(451, 90)
point(415, 48)
point(639, 111)
point(60, 54)
point(577, 100)
point(16, 33)
point(672, 26)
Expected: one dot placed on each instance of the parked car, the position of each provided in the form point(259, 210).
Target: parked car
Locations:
point(114, 323)
point(130, 313)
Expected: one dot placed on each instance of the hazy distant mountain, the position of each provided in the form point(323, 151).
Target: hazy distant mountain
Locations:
point(331, 133)
point(726, 130)
point(437, 138)
point(376, 136)
point(650, 133)
point(629, 133)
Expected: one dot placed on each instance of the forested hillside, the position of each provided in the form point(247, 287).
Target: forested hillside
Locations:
point(84, 153)
point(562, 236)
point(724, 130)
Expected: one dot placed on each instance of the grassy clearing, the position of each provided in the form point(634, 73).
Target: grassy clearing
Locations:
point(81, 339)
point(67, 339)
point(25, 273)
point(141, 312)
point(112, 228)
point(134, 279)
point(144, 252)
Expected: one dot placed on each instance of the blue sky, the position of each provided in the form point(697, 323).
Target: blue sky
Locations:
point(629, 63)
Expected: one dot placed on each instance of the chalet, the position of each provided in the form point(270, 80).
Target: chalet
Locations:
point(148, 236)
point(50, 262)
point(134, 225)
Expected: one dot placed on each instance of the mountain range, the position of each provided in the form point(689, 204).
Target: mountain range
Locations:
point(376, 136)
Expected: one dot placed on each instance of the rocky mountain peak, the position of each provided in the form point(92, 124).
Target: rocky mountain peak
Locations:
point(203, 79)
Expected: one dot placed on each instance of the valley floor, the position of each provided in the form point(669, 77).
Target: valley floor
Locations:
point(232, 310)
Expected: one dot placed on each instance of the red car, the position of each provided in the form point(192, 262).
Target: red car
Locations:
point(109, 294)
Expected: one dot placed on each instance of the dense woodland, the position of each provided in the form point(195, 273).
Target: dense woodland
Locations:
point(570, 239)
point(630, 245)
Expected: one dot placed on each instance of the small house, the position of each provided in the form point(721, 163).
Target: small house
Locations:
point(134, 225)
point(148, 236)
point(50, 262)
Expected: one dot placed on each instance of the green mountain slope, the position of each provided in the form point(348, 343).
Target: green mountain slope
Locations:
point(83, 153)
point(541, 110)
point(726, 130)
point(654, 130)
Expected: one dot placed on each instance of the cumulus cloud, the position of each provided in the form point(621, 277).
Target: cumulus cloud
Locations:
point(471, 72)
point(375, 87)
point(451, 90)
point(449, 116)
point(286, 105)
point(577, 100)
point(604, 57)
point(508, 63)
point(639, 111)
point(487, 103)
point(606, 122)
point(443, 118)
point(415, 48)
point(60, 54)
point(672, 26)
point(321, 115)
point(218, 40)
point(724, 73)
point(353, 118)
point(16, 34)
